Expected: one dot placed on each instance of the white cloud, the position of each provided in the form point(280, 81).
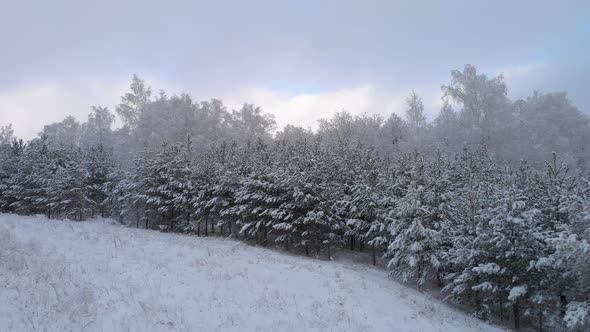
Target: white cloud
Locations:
point(522, 70)
point(306, 109)
point(30, 107)
point(524, 78)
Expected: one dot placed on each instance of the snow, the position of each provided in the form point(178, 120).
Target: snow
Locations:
point(99, 276)
point(517, 292)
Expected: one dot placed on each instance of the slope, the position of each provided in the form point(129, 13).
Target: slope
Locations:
point(98, 276)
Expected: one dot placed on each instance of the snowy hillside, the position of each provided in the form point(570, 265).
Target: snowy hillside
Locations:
point(97, 276)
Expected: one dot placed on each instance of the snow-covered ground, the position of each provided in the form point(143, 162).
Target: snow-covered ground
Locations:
point(97, 276)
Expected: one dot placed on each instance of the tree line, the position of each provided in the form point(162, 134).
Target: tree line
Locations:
point(446, 203)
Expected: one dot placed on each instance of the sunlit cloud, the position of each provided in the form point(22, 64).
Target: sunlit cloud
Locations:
point(522, 70)
point(305, 109)
point(32, 106)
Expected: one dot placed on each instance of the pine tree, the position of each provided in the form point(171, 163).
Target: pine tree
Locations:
point(68, 193)
point(260, 197)
point(470, 216)
point(226, 181)
point(27, 187)
point(202, 201)
point(183, 185)
point(10, 154)
point(438, 199)
point(314, 222)
point(562, 205)
point(416, 230)
point(160, 188)
point(98, 166)
point(132, 191)
point(571, 257)
point(511, 244)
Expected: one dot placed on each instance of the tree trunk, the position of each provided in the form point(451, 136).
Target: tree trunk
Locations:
point(477, 301)
point(516, 311)
point(206, 221)
point(541, 321)
point(563, 302)
point(306, 249)
point(265, 239)
point(374, 258)
point(137, 215)
point(171, 227)
point(329, 252)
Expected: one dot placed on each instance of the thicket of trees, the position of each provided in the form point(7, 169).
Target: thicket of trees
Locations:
point(475, 202)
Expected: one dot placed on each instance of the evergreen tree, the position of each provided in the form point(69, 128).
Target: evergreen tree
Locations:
point(67, 192)
point(416, 231)
point(98, 166)
point(27, 188)
point(470, 216)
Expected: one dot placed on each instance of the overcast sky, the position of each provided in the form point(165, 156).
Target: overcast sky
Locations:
point(301, 60)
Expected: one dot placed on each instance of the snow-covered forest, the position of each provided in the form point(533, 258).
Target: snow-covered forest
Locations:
point(489, 201)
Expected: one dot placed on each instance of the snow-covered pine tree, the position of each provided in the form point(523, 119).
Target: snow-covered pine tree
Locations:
point(162, 174)
point(438, 198)
point(470, 215)
point(98, 167)
point(225, 183)
point(204, 182)
point(347, 160)
point(115, 191)
point(182, 184)
point(377, 236)
point(68, 194)
point(572, 257)
point(260, 196)
point(240, 164)
point(393, 183)
point(10, 152)
point(285, 175)
point(312, 224)
point(27, 187)
point(365, 198)
point(510, 243)
point(416, 230)
point(131, 191)
point(563, 205)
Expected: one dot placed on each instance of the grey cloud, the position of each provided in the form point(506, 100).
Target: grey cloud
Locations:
point(209, 48)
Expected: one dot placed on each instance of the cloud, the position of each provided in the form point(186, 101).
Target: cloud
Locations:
point(274, 48)
point(521, 71)
point(305, 109)
point(30, 107)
